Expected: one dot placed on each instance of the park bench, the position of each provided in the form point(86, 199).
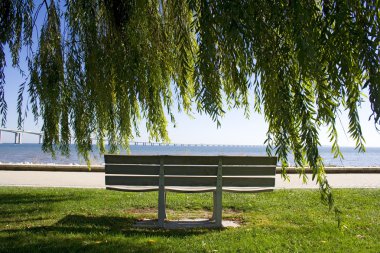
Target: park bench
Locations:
point(189, 174)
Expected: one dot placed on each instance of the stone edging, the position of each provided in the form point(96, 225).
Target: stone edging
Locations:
point(51, 167)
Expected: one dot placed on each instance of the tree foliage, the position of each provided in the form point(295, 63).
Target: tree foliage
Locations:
point(102, 65)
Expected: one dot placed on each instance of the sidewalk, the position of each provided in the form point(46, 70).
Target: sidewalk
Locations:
point(96, 180)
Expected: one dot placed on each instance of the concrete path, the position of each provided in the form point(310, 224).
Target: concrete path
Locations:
point(96, 180)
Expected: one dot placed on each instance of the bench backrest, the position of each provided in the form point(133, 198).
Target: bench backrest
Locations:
point(177, 171)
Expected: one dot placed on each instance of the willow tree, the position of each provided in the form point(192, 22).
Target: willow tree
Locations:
point(102, 65)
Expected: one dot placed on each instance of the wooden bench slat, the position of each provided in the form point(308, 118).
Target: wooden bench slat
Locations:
point(153, 181)
point(138, 169)
point(132, 180)
point(191, 170)
point(190, 189)
point(189, 160)
point(248, 181)
point(190, 181)
point(135, 169)
point(124, 188)
point(132, 159)
point(155, 159)
point(247, 189)
point(258, 170)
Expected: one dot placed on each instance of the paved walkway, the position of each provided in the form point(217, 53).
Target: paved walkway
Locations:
point(96, 180)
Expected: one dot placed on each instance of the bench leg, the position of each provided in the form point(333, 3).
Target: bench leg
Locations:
point(161, 208)
point(214, 206)
point(217, 211)
point(218, 208)
point(218, 196)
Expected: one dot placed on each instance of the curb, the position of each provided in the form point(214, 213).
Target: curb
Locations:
point(51, 167)
point(336, 170)
point(100, 168)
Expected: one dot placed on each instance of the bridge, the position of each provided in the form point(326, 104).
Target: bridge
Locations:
point(18, 140)
point(18, 134)
point(140, 143)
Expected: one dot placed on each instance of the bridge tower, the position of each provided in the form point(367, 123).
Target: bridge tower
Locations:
point(17, 137)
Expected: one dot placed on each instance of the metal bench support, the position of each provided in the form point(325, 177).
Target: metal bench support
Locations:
point(161, 195)
point(218, 197)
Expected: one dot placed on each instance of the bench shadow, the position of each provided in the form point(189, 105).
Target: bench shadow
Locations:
point(185, 224)
point(91, 233)
point(132, 226)
point(121, 225)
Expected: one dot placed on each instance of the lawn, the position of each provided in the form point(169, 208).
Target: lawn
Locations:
point(77, 220)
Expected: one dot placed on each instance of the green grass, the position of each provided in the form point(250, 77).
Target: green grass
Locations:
point(72, 220)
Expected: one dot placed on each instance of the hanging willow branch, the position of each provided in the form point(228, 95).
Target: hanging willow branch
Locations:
point(121, 61)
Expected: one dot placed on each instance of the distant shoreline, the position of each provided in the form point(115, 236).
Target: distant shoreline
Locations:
point(100, 168)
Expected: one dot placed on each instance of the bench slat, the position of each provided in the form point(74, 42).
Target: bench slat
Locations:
point(248, 189)
point(124, 188)
point(263, 170)
point(153, 181)
point(138, 169)
point(132, 159)
point(248, 181)
point(132, 180)
point(191, 170)
point(135, 169)
point(191, 181)
point(190, 160)
point(190, 189)
point(155, 159)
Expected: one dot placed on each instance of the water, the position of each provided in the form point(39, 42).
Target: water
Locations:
point(31, 153)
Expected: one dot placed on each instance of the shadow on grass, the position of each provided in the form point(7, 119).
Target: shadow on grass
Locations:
point(70, 243)
point(25, 198)
point(90, 233)
point(17, 204)
point(117, 225)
